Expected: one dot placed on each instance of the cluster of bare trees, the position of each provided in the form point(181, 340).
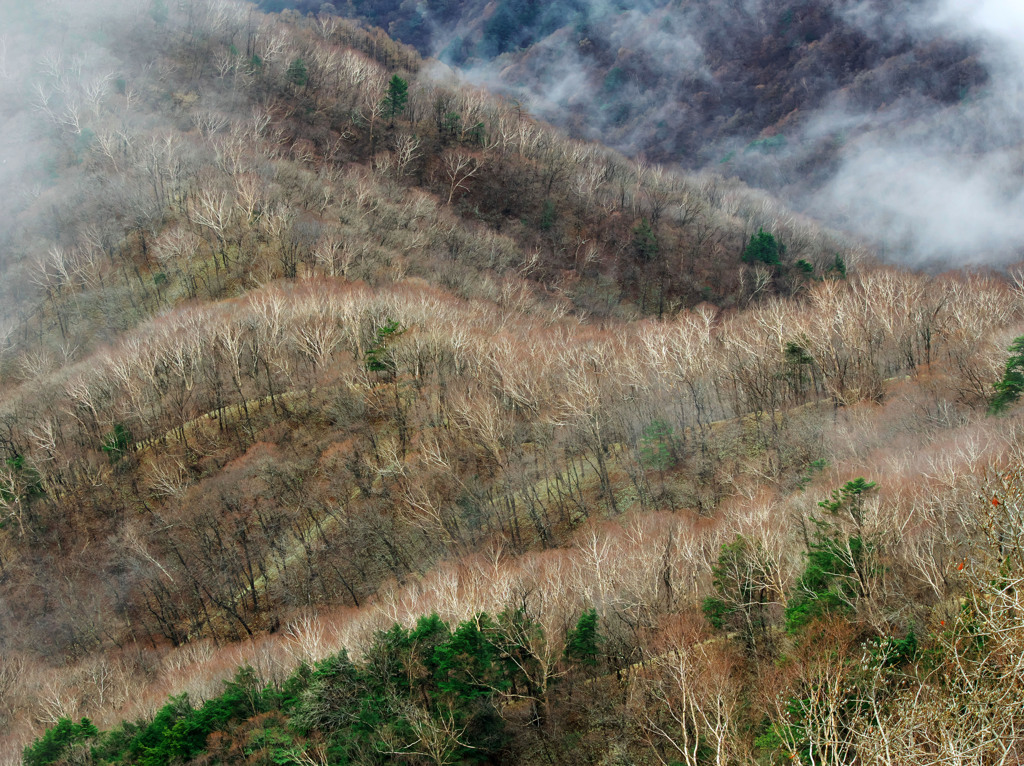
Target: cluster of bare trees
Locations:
point(686, 689)
point(452, 423)
point(266, 377)
point(843, 341)
point(249, 191)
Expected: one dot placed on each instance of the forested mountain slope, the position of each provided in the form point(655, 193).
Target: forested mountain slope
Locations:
point(678, 80)
point(303, 344)
point(897, 120)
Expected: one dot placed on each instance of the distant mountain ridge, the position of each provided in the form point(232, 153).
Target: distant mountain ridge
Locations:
point(674, 80)
point(815, 100)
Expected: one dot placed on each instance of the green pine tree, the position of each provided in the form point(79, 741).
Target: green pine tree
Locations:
point(764, 248)
point(297, 73)
point(1008, 389)
point(582, 644)
point(397, 97)
point(56, 742)
point(645, 241)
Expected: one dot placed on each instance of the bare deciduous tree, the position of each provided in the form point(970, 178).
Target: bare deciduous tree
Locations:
point(458, 168)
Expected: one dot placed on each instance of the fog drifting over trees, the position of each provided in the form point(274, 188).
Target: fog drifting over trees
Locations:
point(452, 439)
point(900, 122)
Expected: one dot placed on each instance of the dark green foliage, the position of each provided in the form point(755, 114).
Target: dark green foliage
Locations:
point(83, 141)
point(615, 79)
point(465, 665)
point(716, 611)
point(322, 698)
point(377, 359)
point(814, 467)
point(730, 576)
point(796, 354)
point(838, 267)
point(297, 73)
point(55, 742)
point(519, 23)
point(896, 652)
point(158, 11)
point(113, 745)
point(178, 731)
point(151, 744)
point(835, 574)
point(780, 736)
point(849, 497)
point(29, 480)
point(451, 123)
point(796, 730)
point(516, 630)
point(289, 695)
point(423, 642)
point(547, 216)
point(645, 242)
point(412, 30)
point(117, 442)
point(1008, 390)
point(799, 369)
point(828, 584)
point(499, 32)
point(477, 134)
point(769, 145)
point(397, 97)
point(764, 248)
point(771, 740)
point(656, 448)
point(742, 593)
point(805, 268)
point(583, 643)
point(273, 744)
point(364, 711)
point(444, 10)
point(429, 668)
point(329, 701)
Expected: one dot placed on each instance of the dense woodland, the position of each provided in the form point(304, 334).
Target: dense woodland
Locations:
point(350, 416)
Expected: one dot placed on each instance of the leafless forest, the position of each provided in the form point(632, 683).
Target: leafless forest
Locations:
point(292, 356)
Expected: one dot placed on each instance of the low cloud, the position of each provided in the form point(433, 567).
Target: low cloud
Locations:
point(943, 185)
point(928, 170)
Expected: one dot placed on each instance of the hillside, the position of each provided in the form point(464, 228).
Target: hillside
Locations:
point(896, 121)
point(678, 81)
point(307, 351)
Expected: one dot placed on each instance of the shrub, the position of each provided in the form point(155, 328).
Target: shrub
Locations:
point(645, 242)
point(835, 574)
point(397, 97)
point(827, 585)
